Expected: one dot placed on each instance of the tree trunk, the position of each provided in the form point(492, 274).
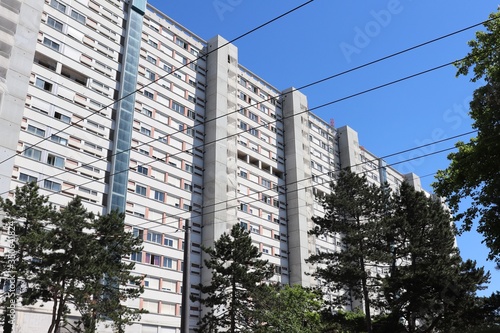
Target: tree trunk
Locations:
point(54, 313)
point(60, 309)
point(232, 310)
point(366, 296)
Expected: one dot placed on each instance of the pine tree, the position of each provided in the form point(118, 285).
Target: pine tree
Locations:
point(109, 283)
point(24, 223)
point(68, 261)
point(237, 271)
point(353, 210)
point(428, 282)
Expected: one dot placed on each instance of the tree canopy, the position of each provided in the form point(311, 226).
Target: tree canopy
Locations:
point(72, 259)
point(474, 170)
point(237, 271)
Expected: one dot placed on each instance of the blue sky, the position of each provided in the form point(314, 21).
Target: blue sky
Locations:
point(326, 37)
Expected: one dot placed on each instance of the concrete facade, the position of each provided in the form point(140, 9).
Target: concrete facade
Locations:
point(210, 144)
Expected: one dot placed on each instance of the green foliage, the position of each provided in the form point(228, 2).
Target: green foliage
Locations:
point(24, 222)
point(429, 286)
point(237, 272)
point(354, 210)
point(473, 172)
point(109, 276)
point(287, 309)
point(70, 257)
point(426, 286)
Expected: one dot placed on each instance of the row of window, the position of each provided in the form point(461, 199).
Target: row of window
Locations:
point(161, 176)
point(156, 260)
point(176, 106)
point(174, 123)
point(161, 196)
point(47, 184)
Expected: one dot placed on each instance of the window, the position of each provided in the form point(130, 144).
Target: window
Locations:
point(266, 183)
point(153, 43)
point(50, 43)
point(244, 174)
point(168, 262)
point(178, 107)
point(188, 187)
point(54, 24)
point(40, 83)
point(55, 161)
point(160, 196)
point(33, 153)
point(27, 178)
point(87, 190)
point(168, 242)
point(62, 117)
point(243, 126)
point(151, 59)
point(136, 256)
point(57, 5)
point(244, 225)
point(141, 190)
point(139, 233)
point(252, 116)
point(244, 207)
point(36, 130)
point(153, 259)
point(188, 167)
point(51, 185)
point(147, 112)
point(146, 131)
point(181, 43)
point(154, 237)
point(167, 67)
point(58, 139)
point(150, 75)
point(77, 16)
point(142, 169)
point(149, 94)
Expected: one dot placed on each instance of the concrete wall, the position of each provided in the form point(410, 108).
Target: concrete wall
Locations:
point(16, 60)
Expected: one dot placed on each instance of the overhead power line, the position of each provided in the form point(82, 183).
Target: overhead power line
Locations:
point(239, 37)
point(164, 76)
point(262, 125)
point(287, 192)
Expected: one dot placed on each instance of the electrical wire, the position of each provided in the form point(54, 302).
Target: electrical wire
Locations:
point(247, 107)
point(164, 76)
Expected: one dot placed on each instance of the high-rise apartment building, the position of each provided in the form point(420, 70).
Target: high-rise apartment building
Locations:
point(203, 142)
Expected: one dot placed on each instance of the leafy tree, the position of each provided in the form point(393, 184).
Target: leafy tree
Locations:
point(429, 287)
point(474, 169)
point(24, 223)
point(288, 309)
point(237, 272)
point(354, 210)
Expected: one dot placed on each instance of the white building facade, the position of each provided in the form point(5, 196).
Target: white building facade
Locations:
point(204, 142)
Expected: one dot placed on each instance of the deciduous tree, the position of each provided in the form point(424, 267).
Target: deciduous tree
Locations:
point(288, 309)
point(474, 170)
